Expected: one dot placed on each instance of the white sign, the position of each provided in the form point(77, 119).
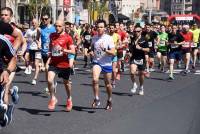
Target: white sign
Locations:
point(184, 18)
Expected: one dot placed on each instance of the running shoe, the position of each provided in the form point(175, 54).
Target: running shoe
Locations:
point(52, 104)
point(46, 90)
point(96, 103)
point(186, 71)
point(9, 113)
point(14, 94)
point(34, 82)
point(3, 116)
point(141, 91)
point(26, 71)
point(171, 77)
point(133, 90)
point(69, 105)
point(109, 105)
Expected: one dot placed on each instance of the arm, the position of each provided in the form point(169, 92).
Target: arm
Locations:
point(18, 38)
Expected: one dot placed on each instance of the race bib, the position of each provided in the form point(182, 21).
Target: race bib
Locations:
point(33, 46)
point(46, 46)
point(150, 44)
point(56, 52)
point(87, 37)
point(186, 44)
point(162, 43)
point(138, 62)
point(174, 46)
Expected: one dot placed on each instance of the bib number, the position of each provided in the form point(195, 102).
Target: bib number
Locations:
point(138, 62)
point(186, 44)
point(150, 44)
point(162, 43)
point(34, 46)
point(56, 52)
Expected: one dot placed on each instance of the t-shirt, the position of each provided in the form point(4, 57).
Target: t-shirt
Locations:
point(175, 38)
point(58, 58)
point(136, 53)
point(100, 56)
point(188, 38)
point(150, 38)
point(87, 39)
point(31, 36)
point(6, 51)
point(162, 44)
point(45, 32)
point(196, 33)
point(116, 39)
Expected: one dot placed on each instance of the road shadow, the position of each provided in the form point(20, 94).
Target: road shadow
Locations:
point(90, 85)
point(22, 82)
point(159, 79)
point(119, 93)
point(38, 111)
point(34, 93)
point(83, 109)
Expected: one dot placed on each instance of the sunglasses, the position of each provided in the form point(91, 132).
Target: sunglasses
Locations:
point(45, 18)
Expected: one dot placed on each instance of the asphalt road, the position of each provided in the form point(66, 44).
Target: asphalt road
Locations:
point(168, 107)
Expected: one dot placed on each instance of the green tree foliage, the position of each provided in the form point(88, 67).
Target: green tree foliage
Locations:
point(37, 7)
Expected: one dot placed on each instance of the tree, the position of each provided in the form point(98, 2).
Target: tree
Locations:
point(37, 7)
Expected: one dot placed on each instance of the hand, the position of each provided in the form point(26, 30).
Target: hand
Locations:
point(138, 47)
point(4, 79)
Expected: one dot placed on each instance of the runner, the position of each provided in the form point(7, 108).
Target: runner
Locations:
point(86, 40)
point(61, 45)
point(138, 47)
point(196, 32)
point(175, 42)
point(103, 50)
point(151, 37)
point(16, 39)
point(46, 30)
point(186, 46)
point(116, 39)
point(34, 45)
point(162, 48)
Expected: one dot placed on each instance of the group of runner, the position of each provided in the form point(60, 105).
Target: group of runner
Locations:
point(54, 48)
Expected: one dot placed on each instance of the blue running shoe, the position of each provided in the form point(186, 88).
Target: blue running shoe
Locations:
point(9, 113)
point(14, 94)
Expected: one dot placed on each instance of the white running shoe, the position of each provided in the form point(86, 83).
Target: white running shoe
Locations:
point(141, 92)
point(34, 82)
point(26, 71)
point(133, 90)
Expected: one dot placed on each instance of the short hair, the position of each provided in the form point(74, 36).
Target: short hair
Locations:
point(101, 21)
point(46, 14)
point(112, 24)
point(67, 23)
point(8, 9)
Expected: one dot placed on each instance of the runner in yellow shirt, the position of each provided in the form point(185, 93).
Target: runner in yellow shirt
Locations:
point(116, 39)
point(196, 34)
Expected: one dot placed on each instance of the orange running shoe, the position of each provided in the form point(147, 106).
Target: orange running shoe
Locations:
point(52, 104)
point(69, 105)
